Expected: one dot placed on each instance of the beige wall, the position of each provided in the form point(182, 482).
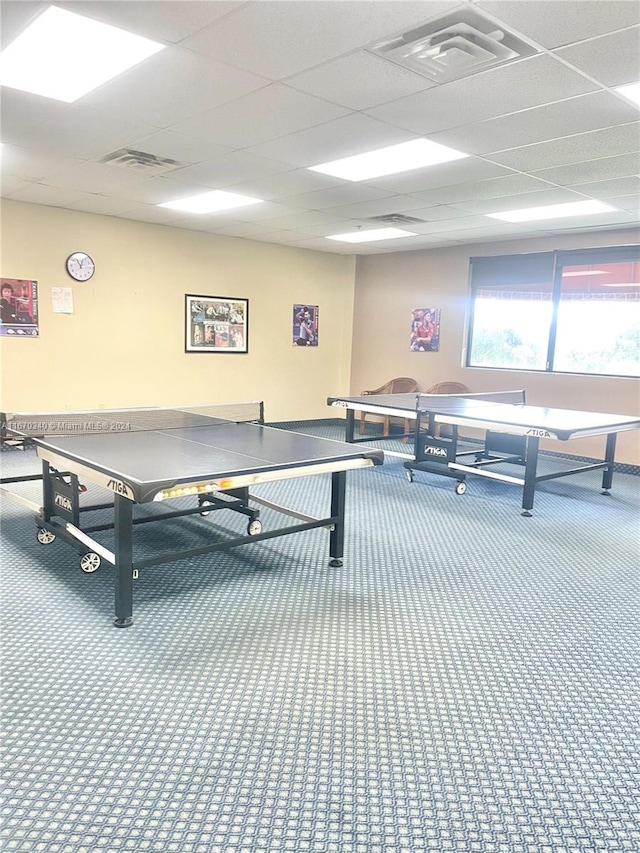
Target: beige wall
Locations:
point(124, 344)
point(390, 286)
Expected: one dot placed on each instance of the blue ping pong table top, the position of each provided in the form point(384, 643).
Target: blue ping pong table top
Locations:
point(176, 456)
point(545, 421)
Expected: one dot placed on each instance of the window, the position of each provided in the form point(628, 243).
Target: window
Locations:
point(568, 312)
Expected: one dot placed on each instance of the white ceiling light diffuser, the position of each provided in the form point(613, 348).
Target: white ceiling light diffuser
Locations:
point(404, 157)
point(210, 202)
point(553, 211)
point(372, 235)
point(631, 91)
point(63, 55)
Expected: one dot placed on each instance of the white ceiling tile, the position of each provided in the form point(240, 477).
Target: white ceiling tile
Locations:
point(623, 139)
point(12, 185)
point(492, 188)
point(171, 86)
point(282, 39)
point(359, 81)
point(597, 169)
point(177, 146)
point(442, 175)
point(335, 196)
point(33, 164)
point(151, 213)
point(553, 116)
point(599, 220)
point(265, 211)
point(610, 189)
point(630, 203)
point(35, 193)
point(613, 60)
point(103, 205)
point(170, 22)
point(519, 86)
point(229, 169)
point(85, 133)
point(552, 23)
point(564, 118)
point(303, 221)
point(557, 195)
point(24, 117)
point(353, 134)
point(439, 212)
point(380, 207)
point(271, 112)
point(293, 182)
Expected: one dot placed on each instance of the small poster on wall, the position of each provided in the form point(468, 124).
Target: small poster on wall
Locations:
point(425, 330)
point(19, 308)
point(216, 324)
point(305, 325)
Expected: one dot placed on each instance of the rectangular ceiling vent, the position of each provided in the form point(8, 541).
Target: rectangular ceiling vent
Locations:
point(395, 219)
point(141, 161)
point(457, 45)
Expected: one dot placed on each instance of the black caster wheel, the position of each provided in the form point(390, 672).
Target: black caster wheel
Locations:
point(409, 475)
point(461, 488)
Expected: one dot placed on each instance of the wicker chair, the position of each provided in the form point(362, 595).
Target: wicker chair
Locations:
point(446, 388)
point(400, 385)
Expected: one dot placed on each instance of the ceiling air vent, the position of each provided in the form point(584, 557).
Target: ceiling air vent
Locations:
point(141, 161)
point(457, 45)
point(395, 219)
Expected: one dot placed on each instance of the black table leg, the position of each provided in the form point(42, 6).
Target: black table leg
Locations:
point(123, 532)
point(610, 452)
point(336, 540)
point(350, 426)
point(530, 468)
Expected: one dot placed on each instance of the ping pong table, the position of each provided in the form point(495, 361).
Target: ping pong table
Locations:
point(211, 455)
point(512, 434)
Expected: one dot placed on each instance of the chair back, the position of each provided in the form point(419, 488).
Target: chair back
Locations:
point(448, 388)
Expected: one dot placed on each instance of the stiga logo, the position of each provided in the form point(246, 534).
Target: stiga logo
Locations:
point(539, 433)
point(340, 403)
point(119, 487)
point(435, 451)
point(63, 502)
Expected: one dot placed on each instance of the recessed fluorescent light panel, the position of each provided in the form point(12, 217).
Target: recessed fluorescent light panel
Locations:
point(210, 202)
point(630, 91)
point(553, 211)
point(404, 157)
point(371, 235)
point(63, 55)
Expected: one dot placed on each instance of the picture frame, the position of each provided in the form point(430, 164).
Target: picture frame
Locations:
point(305, 325)
point(216, 324)
point(425, 330)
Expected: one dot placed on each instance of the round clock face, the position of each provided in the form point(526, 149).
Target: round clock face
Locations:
point(80, 266)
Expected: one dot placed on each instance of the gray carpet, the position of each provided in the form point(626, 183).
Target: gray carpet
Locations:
point(467, 681)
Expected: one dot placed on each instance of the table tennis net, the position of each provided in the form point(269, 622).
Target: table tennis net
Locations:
point(38, 425)
point(452, 402)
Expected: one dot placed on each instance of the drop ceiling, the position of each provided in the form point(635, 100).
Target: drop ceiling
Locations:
point(248, 95)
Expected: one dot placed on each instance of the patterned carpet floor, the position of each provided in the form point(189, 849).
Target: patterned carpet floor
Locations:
point(467, 682)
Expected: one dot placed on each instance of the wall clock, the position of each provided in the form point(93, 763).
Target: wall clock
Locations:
point(80, 266)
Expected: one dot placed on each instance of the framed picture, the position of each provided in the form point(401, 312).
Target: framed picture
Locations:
point(19, 308)
point(425, 330)
point(216, 324)
point(305, 325)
